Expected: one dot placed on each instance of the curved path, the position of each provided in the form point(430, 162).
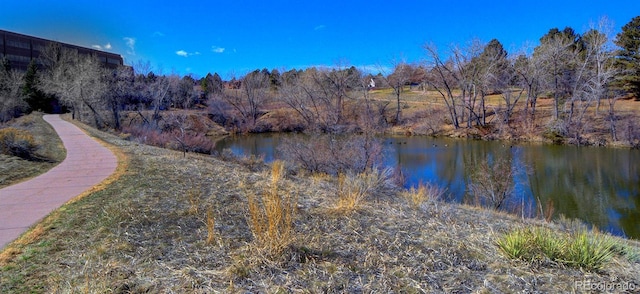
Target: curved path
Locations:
point(87, 164)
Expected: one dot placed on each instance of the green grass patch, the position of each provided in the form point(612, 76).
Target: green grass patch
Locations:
point(587, 250)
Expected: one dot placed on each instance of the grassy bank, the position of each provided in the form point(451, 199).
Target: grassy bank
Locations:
point(49, 153)
point(192, 224)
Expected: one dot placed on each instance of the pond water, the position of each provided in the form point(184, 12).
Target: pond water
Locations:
point(600, 186)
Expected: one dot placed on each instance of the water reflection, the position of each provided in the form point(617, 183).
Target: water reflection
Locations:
point(600, 186)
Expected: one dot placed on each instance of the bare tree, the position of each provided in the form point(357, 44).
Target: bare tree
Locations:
point(462, 73)
point(556, 53)
point(442, 77)
point(12, 102)
point(186, 95)
point(371, 115)
point(336, 84)
point(79, 80)
point(472, 80)
point(159, 90)
point(251, 97)
point(529, 71)
point(594, 71)
point(120, 85)
point(299, 91)
point(401, 75)
point(495, 75)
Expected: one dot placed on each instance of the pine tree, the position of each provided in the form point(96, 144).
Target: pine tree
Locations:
point(36, 98)
point(629, 56)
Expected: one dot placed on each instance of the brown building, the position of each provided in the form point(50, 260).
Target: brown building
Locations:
point(20, 49)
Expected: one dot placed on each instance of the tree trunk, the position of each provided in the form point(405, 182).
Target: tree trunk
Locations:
point(398, 90)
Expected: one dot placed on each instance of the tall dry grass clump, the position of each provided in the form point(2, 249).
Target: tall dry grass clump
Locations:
point(353, 189)
point(211, 226)
point(194, 200)
point(273, 214)
point(424, 192)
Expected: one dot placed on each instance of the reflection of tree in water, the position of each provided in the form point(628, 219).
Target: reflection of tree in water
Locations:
point(587, 183)
point(629, 192)
point(600, 186)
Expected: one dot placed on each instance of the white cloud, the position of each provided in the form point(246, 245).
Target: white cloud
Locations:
point(320, 27)
point(217, 49)
point(158, 34)
point(131, 44)
point(186, 54)
point(99, 47)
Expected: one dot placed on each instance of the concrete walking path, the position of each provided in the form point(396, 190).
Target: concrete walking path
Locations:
point(87, 164)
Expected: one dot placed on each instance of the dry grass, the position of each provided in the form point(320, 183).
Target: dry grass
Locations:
point(194, 200)
point(137, 235)
point(423, 193)
point(211, 226)
point(272, 216)
point(353, 189)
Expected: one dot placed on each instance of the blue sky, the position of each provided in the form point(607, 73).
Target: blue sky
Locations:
point(233, 37)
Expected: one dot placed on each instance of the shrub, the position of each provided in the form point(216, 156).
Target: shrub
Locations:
point(550, 245)
point(185, 141)
point(191, 142)
point(556, 131)
point(333, 155)
point(590, 251)
point(517, 244)
point(18, 143)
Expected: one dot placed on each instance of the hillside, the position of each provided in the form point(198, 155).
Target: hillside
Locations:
point(169, 223)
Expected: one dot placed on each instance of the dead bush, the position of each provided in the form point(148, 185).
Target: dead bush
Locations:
point(176, 139)
point(427, 122)
point(281, 120)
point(332, 154)
point(18, 143)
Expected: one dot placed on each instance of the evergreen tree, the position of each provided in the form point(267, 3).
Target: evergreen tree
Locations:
point(629, 56)
point(36, 99)
point(6, 64)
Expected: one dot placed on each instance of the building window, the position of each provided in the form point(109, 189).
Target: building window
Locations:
point(18, 58)
point(39, 47)
point(113, 61)
point(18, 44)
